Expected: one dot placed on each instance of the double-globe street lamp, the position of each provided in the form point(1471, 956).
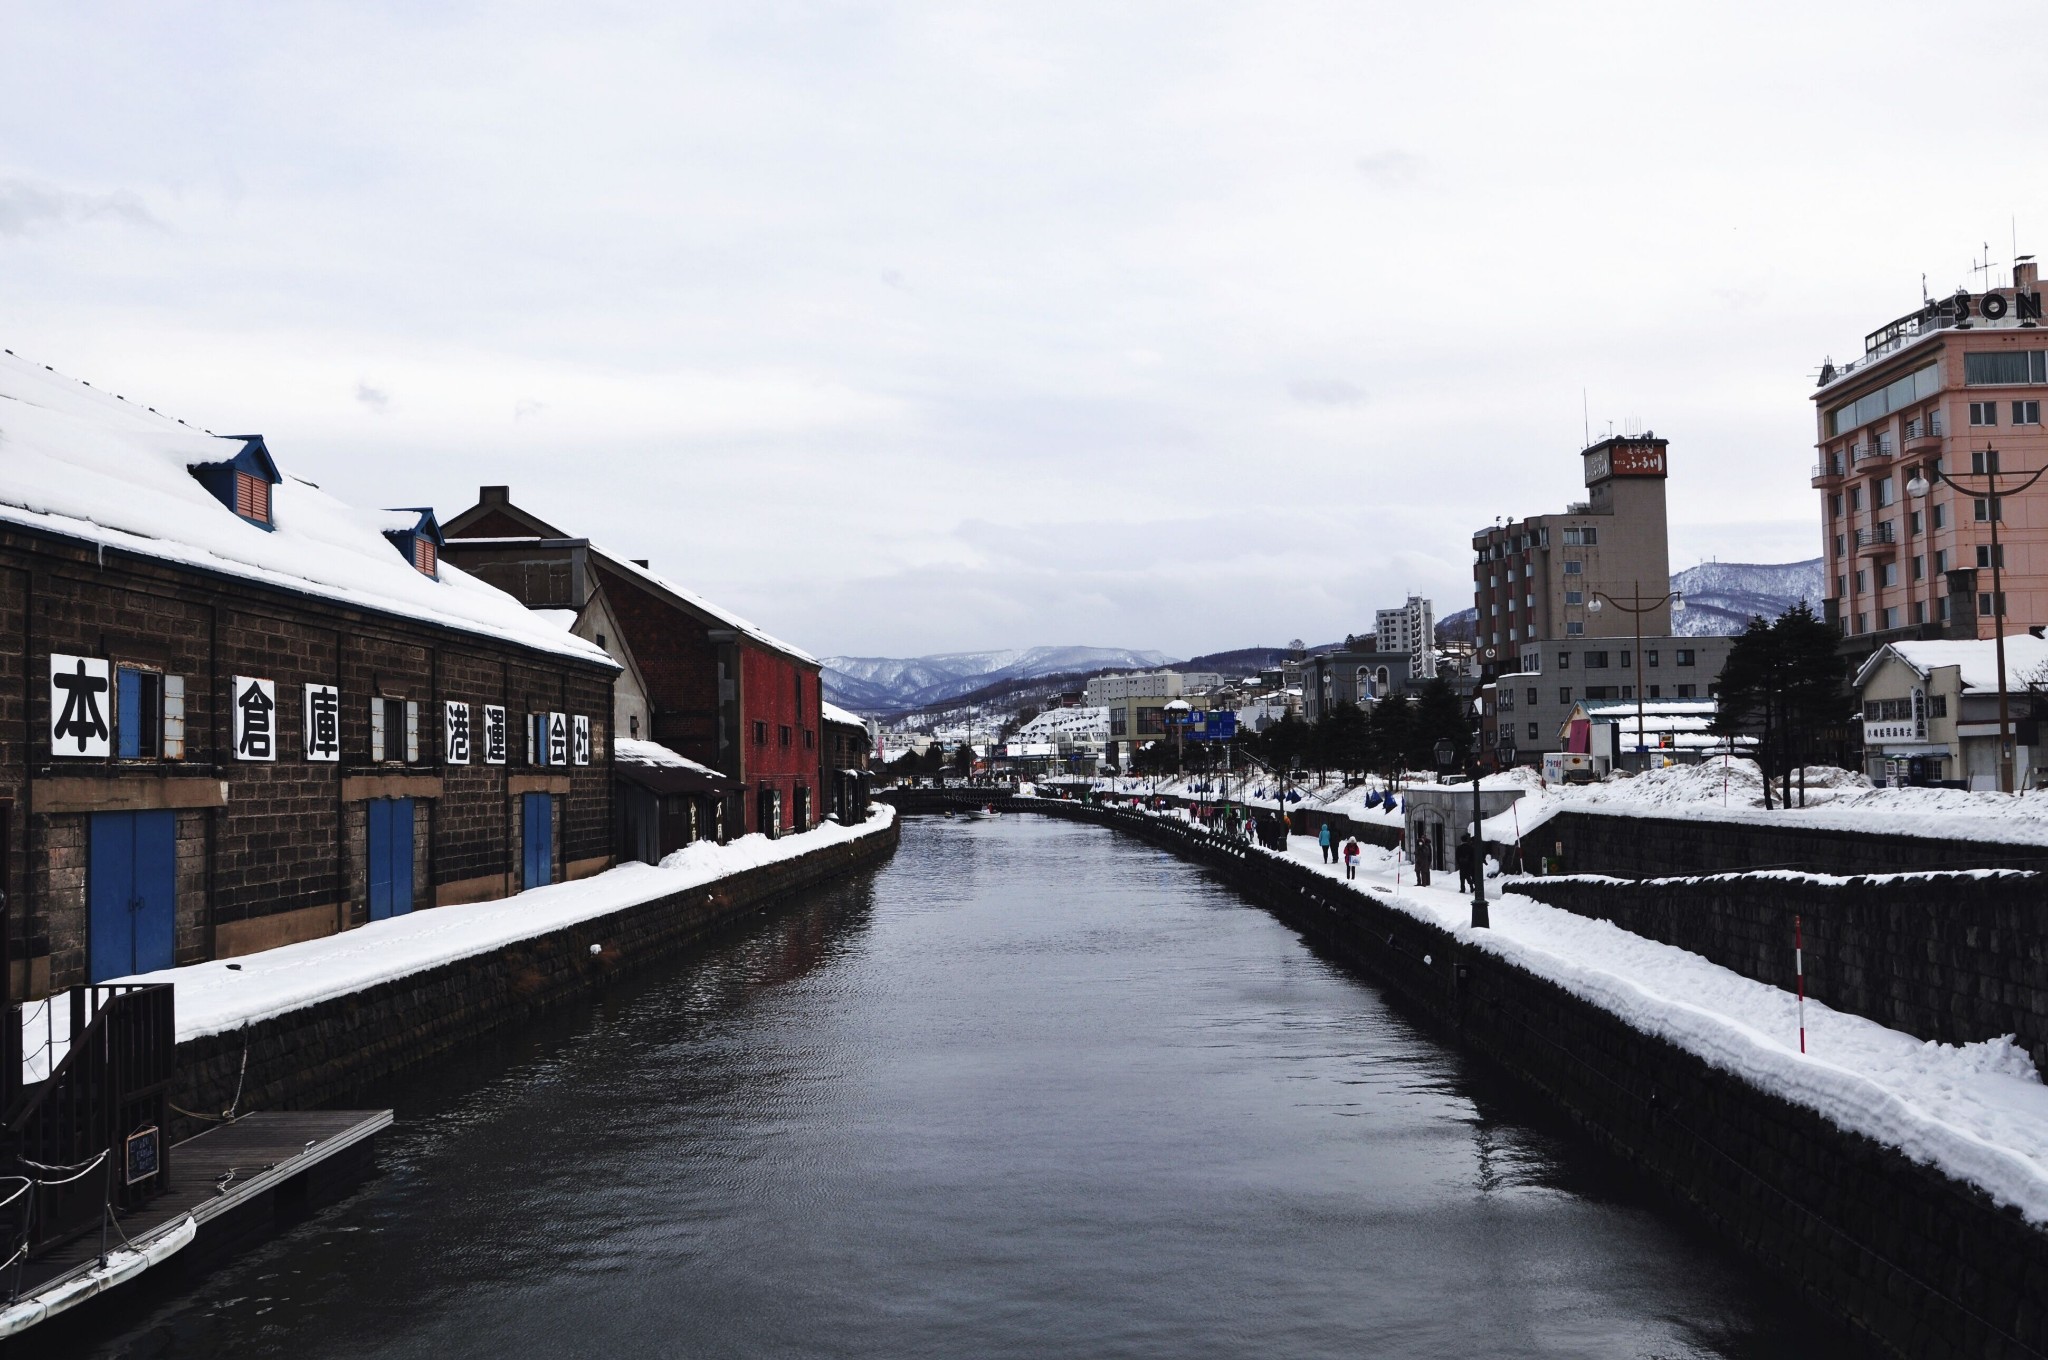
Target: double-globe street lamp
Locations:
point(1917, 487)
point(1638, 605)
point(1446, 760)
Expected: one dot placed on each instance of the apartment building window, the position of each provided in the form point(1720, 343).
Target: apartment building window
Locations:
point(1596, 661)
point(1575, 597)
point(1889, 617)
point(1574, 568)
point(1835, 506)
point(1983, 461)
point(1855, 498)
point(1919, 612)
point(1984, 609)
point(1564, 661)
point(1983, 413)
point(1649, 658)
point(1564, 694)
point(1841, 585)
point(1838, 545)
point(1918, 563)
point(2026, 413)
point(2003, 367)
point(1685, 655)
point(1937, 705)
point(1862, 623)
point(1862, 580)
point(1574, 629)
point(1941, 607)
point(1688, 691)
point(1532, 696)
point(1599, 692)
point(784, 732)
point(1628, 691)
point(1656, 691)
point(1987, 509)
point(1533, 733)
point(1881, 492)
point(1986, 557)
point(1627, 660)
point(760, 734)
point(1912, 523)
point(1940, 561)
point(1888, 574)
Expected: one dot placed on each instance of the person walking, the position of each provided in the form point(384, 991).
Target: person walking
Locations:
point(1424, 853)
point(1468, 855)
point(1351, 858)
point(1329, 844)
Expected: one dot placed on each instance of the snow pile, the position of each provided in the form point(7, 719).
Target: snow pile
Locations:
point(227, 994)
point(1978, 1112)
point(640, 751)
point(87, 465)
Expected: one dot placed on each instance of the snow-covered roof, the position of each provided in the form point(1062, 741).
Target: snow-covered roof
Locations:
point(639, 751)
point(2025, 655)
point(698, 602)
point(835, 714)
point(89, 466)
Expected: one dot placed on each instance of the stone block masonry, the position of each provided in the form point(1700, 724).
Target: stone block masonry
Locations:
point(1916, 1262)
point(322, 1051)
point(1951, 957)
point(1632, 845)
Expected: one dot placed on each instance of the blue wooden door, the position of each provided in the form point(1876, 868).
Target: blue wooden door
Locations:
point(537, 838)
point(131, 891)
point(390, 857)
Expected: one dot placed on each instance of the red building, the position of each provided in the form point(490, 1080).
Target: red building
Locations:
point(701, 681)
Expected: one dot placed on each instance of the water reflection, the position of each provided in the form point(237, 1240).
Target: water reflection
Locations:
point(1029, 1090)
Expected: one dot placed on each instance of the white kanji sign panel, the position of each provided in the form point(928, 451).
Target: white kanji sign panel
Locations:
point(81, 707)
point(580, 739)
point(455, 732)
point(254, 707)
point(495, 735)
point(323, 723)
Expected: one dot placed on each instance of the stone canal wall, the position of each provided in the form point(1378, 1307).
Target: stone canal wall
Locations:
point(323, 1051)
point(1918, 1264)
point(1674, 844)
point(1952, 957)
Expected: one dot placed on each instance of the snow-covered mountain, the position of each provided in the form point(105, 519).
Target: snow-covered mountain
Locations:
point(1722, 597)
point(888, 684)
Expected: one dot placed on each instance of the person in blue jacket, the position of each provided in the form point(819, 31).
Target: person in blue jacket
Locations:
point(1329, 844)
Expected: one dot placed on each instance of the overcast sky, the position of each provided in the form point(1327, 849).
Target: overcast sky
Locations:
point(905, 329)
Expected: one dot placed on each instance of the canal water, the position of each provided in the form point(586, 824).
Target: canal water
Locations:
point(1030, 1089)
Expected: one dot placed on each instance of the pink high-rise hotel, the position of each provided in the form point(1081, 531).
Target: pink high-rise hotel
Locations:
point(1955, 387)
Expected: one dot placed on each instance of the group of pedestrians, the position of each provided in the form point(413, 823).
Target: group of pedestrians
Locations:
point(1331, 853)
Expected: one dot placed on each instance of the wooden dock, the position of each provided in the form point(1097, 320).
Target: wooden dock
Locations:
point(233, 1182)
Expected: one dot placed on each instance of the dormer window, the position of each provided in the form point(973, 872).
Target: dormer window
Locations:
point(416, 533)
point(242, 483)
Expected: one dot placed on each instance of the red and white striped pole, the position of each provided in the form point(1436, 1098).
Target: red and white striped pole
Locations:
point(1799, 972)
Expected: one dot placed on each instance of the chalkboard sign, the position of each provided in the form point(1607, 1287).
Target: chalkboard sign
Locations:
point(142, 1154)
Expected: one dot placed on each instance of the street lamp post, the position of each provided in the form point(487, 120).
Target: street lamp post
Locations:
point(1637, 606)
point(1918, 487)
point(1446, 759)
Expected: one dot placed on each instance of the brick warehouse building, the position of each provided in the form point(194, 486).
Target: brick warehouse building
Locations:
point(699, 680)
point(235, 713)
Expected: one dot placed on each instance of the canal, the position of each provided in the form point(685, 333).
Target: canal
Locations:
point(1030, 1089)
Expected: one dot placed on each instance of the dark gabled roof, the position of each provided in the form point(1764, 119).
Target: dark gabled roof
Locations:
point(253, 458)
point(413, 521)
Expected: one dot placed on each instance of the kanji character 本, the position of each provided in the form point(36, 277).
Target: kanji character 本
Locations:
point(81, 680)
point(255, 707)
point(323, 722)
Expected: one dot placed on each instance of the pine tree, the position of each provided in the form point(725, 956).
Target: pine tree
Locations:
point(1783, 682)
point(1440, 714)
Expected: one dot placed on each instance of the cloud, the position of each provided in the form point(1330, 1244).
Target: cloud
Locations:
point(376, 398)
point(1391, 169)
point(527, 408)
point(1326, 392)
point(27, 207)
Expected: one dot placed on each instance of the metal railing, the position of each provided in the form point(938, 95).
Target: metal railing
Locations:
point(1877, 535)
point(68, 1135)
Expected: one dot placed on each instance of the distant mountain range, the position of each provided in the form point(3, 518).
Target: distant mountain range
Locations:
point(1720, 597)
point(889, 684)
